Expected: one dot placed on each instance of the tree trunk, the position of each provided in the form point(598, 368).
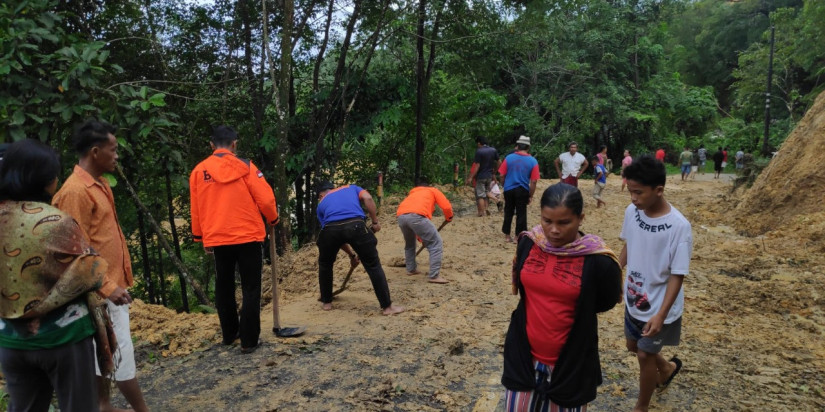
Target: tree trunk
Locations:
point(175, 241)
point(161, 276)
point(202, 298)
point(144, 257)
point(419, 95)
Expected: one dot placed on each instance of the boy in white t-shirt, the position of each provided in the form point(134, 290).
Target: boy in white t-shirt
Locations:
point(657, 251)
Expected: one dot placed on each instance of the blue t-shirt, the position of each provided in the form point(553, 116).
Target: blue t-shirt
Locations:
point(603, 178)
point(520, 169)
point(340, 204)
point(485, 157)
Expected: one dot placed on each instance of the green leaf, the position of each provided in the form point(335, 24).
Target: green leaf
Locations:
point(145, 106)
point(18, 118)
point(157, 99)
point(111, 178)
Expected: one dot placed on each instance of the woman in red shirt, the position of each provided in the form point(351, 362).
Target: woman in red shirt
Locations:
point(564, 278)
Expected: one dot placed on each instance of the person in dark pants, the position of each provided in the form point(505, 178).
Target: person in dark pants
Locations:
point(229, 195)
point(519, 171)
point(343, 226)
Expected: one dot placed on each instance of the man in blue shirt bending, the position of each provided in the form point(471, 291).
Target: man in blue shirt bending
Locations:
point(343, 226)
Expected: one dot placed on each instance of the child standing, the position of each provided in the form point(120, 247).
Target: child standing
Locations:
point(657, 251)
point(600, 181)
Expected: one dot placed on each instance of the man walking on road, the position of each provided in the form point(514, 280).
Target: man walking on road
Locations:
point(229, 195)
point(573, 164)
point(484, 168)
point(343, 226)
point(88, 198)
point(519, 171)
point(414, 214)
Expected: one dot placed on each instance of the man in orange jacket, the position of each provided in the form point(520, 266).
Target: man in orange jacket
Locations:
point(229, 195)
point(414, 214)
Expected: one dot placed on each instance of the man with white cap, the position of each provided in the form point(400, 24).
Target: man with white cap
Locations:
point(519, 171)
point(573, 164)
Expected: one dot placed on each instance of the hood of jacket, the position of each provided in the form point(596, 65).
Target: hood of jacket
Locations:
point(225, 167)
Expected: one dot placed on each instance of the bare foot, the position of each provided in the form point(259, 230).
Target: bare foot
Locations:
point(326, 306)
point(438, 279)
point(508, 239)
point(393, 309)
point(413, 273)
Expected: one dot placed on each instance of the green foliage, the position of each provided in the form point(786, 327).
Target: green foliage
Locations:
point(48, 78)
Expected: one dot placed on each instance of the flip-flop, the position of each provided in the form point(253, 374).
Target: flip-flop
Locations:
point(663, 387)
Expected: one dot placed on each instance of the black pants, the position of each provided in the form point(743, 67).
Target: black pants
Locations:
point(248, 257)
point(363, 242)
point(515, 201)
point(32, 376)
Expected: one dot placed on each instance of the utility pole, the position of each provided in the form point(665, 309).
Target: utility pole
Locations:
point(765, 147)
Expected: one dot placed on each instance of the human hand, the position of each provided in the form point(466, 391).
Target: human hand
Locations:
point(209, 250)
point(120, 297)
point(375, 226)
point(353, 260)
point(653, 326)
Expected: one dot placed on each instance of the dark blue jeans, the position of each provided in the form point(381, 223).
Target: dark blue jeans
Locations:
point(515, 201)
point(248, 258)
point(363, 242)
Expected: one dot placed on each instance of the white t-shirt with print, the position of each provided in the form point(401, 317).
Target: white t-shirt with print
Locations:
point(570, 165)
point(656, 248)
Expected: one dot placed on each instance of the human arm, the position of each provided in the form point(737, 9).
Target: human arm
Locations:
point(654, 325)
point(525, 244)
point(444, 204)
point(532, 191)
point(623, 256)
point(353, 257)
point(372, 210)
point(582, 169)
point(558, 170)
point(263, 195)
point(473, 173)
point(609, 286)
point(194, 210)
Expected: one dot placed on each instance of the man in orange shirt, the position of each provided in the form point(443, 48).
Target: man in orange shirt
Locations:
point(87, 197)
point(229, 195)
point(414, 214)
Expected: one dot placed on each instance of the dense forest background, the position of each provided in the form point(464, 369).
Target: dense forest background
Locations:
point(343, 89)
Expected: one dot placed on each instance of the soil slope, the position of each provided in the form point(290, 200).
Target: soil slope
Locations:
point(788, 193)
point(752, 335)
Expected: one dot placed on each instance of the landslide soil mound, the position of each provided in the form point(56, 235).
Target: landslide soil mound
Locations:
point(787, 195)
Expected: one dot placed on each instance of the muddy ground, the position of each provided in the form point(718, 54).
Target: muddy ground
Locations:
point(752, 331)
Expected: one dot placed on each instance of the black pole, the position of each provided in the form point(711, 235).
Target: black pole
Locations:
point(765, 148)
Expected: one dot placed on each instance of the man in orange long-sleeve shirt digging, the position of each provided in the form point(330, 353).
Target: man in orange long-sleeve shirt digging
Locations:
point(414, 214)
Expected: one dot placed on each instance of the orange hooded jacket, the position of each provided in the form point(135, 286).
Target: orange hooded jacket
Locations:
point(228, 196)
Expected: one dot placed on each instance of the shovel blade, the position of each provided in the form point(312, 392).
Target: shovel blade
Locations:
point(289, 332)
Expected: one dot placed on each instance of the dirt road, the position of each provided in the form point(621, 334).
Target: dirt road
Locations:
point(753, 331)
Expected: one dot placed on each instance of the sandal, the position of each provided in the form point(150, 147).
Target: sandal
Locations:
point(661, 388)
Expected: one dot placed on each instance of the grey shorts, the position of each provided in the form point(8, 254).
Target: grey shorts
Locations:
point(482, 186)
point(670, 334)
point(598, 187)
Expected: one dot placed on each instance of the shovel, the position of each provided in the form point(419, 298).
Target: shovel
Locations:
point(276, 320)
point(439, 229)
point(346, 279)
